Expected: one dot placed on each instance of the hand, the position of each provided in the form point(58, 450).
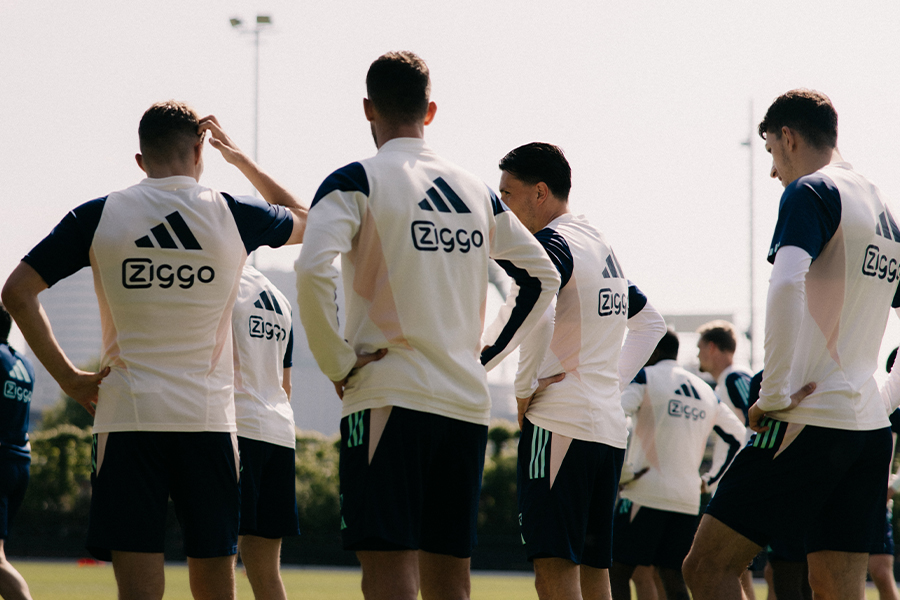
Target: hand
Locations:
point(219, 140)
point(704, 487)
point(756, 414)
point(523, 403)
point(625, 481)
point(362, 359)
point(84, 388)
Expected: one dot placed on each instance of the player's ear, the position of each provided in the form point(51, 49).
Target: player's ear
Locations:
point(140, 161)
point(543, 192)
point(369, 109)
point(429, 115)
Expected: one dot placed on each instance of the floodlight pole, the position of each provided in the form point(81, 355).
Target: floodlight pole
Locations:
point(749, 144)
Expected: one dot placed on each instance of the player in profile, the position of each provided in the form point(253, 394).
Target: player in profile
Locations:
point(166, 255)
point(568, 382)
point(17, 379)
point(415, 234)
point(674, 413)
point(263, 346)
point(824, 462)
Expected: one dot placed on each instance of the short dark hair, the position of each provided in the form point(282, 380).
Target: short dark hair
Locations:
point(808, 112)
point(5, 325)
point(168, 130)
point(399, 87)
point(720, 334)
point(667, 348)
point(539, 161)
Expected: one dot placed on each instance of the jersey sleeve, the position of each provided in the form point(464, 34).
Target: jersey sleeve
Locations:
point(531, 353)
point(67, 249)
point(633, 394)
point(808, 217)
point(558, 250)
point(288, 361)
point(645, 328)
point(737, 386)
point(260, 223)
point(334, 219)
point(517, 251)
point(731, 430)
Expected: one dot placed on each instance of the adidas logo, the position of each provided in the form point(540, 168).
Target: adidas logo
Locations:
point(688, 390)
point(164, 238)
point(19, 372)
point(438, 202)
point(268, 302)
point(887, 227)
point(613, 269)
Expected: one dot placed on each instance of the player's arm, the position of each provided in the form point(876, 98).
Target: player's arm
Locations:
point(890, 391)
point(20, 297)
point(730, 429)
point(738, 389)
point(633, 394)
point(645, 328)
point(523, 258)
point(287, 363)
point(271, 191)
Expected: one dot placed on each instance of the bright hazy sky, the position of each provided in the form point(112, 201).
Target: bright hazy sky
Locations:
point(650, 101)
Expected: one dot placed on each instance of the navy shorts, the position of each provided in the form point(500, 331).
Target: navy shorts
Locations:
point(410, 480)
point(649, 536)
point(268, 490)
point(827, 487)
point(135, 473)
point(14, 473)
point(567, 492)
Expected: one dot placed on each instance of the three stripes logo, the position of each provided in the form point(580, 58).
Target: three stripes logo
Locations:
point(768, 439)
point(680, 409)
point(538, 466)
point(12, 389)
point(164, 239)
point(687, 389)
point(438, 202)
point(887, 227)
point(259, 327)
point(20, 372)
point(356, 427)
point(613, 269)
point(267, 301)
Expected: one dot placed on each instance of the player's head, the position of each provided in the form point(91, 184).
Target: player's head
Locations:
point(808, 112)
point(666, 348)
point(716, 346)
point(169, 134)
point(540, 162)
point(5, 325)
point(398, 85)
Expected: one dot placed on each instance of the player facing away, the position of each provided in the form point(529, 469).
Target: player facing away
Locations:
point(17, 379)
point(825, 462)
point(166, 255)
point(568, 382)
point(415, 234)
point(263, 345)
point(674, 413)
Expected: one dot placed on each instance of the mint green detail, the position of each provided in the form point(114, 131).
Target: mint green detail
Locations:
point(774, 431)
point(356, 424)
point(537, 468)
point(343, 525)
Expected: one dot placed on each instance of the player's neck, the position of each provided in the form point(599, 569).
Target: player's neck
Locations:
point(385, 134)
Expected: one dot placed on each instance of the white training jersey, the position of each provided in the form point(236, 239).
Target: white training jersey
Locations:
point(263, 341)
point(844, 224)
point(674, 412)
point(415, 234)
point(593, 310)
point(167, 257)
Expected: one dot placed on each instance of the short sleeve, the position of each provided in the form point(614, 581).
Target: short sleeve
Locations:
point(260, 223)
point(809, 215)
point(67, 249)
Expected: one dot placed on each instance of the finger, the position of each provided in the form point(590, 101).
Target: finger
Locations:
point(557, 378)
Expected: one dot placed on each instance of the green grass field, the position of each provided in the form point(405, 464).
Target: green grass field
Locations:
point(67, 581)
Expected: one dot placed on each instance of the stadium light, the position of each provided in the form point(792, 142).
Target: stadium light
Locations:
point(262, 21)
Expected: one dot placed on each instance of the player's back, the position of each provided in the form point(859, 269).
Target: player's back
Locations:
point(17, 377)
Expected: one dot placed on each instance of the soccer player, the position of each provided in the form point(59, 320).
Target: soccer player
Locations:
point(166, 255)
point(17, 378)
point(263, 344)
point(573, 432)
point(824, 463)
point(674, 413)
point(415, 234)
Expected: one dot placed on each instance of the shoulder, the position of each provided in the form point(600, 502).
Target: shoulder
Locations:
point(349, 178)
point(811, 191)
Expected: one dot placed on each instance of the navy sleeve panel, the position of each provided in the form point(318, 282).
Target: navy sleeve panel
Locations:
point(289, 351)
point(636, 300)
point(496, 204)
point(755, 385)
point(733, 447)
point(260, 223)
point(896, 301)
point(895, 421)
point(738, 387)
point(67, 249)
point(558, 250)
point(641, 377)
point(809, 214)
point(529, 292)
point(351, 178)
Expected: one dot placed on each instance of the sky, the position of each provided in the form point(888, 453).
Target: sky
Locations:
point(651, 102)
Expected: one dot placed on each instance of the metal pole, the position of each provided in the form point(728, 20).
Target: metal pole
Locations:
point(752, 335)
point(256, 99)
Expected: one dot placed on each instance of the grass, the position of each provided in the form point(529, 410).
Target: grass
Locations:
point(65, 580)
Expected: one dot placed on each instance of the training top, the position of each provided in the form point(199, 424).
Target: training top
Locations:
point(17, 378)
point(836, 251)
point(595, 305)
point(166, 255)
point(733, 390)
point(674, 412)
point(263, 344)
point(415, 234)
